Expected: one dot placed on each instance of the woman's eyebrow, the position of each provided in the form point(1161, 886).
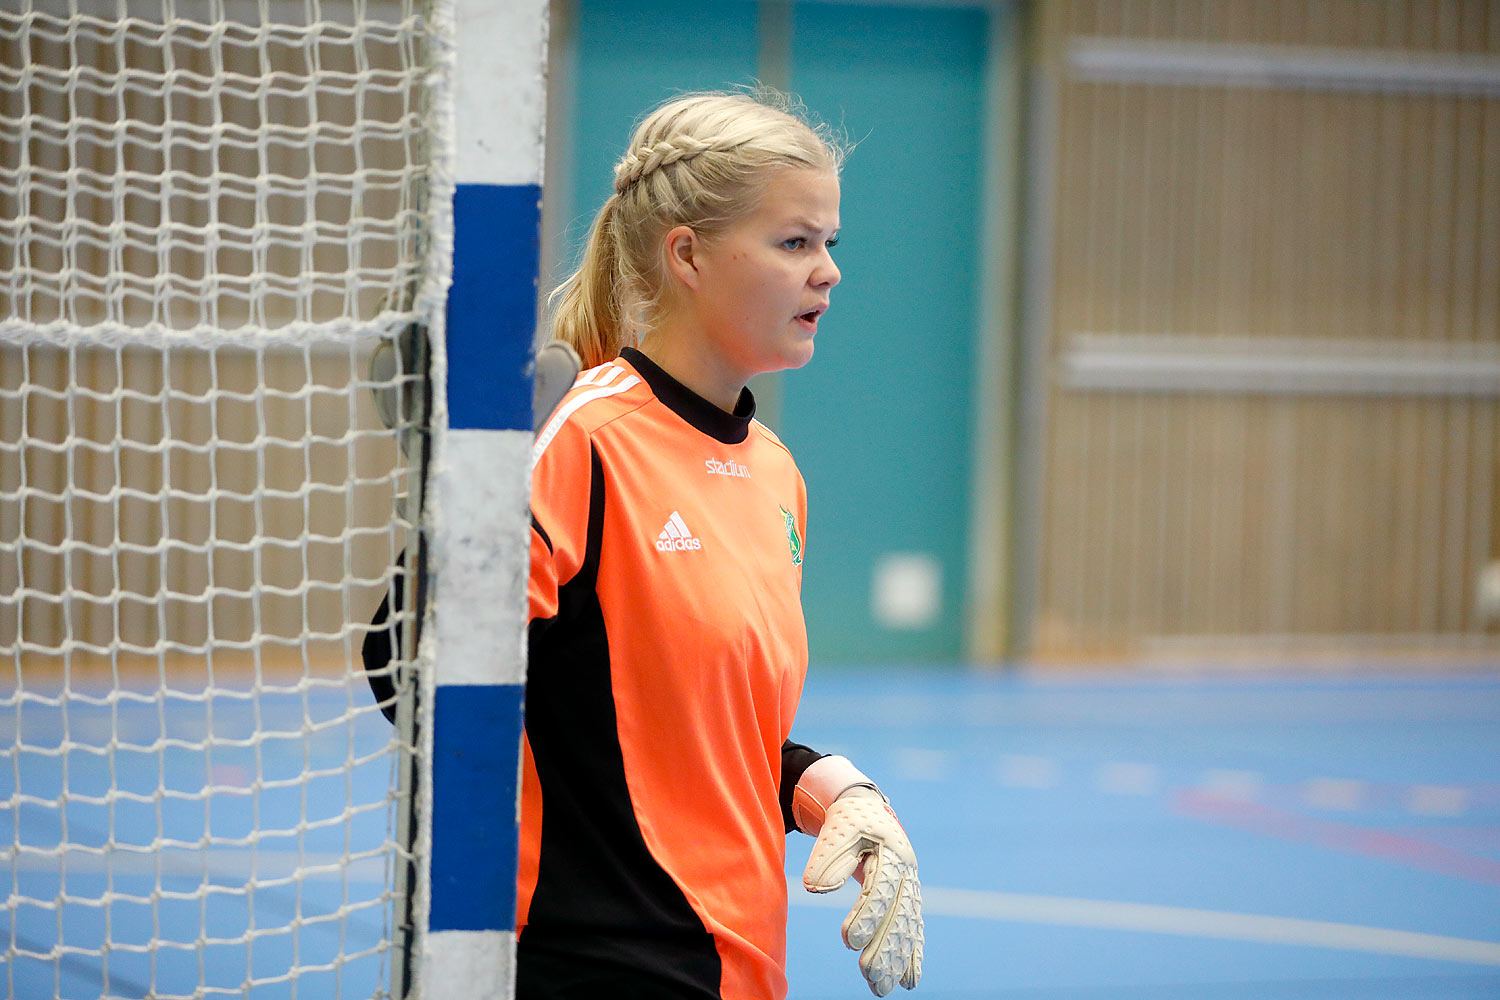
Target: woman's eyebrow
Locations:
point(811, 226)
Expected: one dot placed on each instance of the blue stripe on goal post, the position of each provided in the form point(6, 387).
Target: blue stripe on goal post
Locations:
point(480, 497)
point(492, 305)
point(475, 741)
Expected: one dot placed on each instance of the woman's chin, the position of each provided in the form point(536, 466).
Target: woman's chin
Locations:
point(799, 355)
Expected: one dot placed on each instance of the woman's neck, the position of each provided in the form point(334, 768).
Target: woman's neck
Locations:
point(681, 352)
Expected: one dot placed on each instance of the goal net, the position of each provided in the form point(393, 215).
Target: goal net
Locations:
point(212, 215)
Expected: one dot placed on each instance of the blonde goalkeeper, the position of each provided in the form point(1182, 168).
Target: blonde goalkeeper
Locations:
point(667, 645)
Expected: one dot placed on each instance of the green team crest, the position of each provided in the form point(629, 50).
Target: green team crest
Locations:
point(792, 541)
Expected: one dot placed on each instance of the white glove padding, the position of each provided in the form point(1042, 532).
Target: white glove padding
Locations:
point(859, 835)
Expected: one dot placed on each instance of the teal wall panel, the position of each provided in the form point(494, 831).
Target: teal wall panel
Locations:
point(633, 56)
point(880, 421)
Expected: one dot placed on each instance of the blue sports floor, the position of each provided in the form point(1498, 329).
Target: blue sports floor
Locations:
point(1262, 837)
point(1167, 836)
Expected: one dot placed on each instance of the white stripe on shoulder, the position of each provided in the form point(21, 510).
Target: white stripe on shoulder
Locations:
point(572, 406)
point(602, 375)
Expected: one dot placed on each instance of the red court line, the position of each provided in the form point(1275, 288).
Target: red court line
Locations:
point(1480, 840)
point(1413, 852)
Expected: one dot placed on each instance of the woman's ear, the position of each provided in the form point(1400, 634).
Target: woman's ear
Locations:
point(681, 245)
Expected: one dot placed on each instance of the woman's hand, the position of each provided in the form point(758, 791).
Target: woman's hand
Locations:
point(859, 835)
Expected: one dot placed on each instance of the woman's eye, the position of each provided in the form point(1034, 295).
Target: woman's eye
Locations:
point(795, 243)
point(832, 243)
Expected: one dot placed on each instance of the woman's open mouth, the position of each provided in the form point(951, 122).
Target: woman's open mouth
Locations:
point(809, 319)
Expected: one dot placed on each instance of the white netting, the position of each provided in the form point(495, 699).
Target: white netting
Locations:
point(211, 215)
point(238, 166)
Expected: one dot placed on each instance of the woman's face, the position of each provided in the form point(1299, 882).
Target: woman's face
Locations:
point(764, 282)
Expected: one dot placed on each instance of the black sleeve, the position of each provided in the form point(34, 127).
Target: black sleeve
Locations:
point(376, 651)
point(795, 759)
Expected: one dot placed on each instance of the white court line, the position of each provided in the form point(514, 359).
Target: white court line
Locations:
point(1437, 800)
point(916, 764)
point(1019, 771)
point(1125, 778)
point(1106, 914)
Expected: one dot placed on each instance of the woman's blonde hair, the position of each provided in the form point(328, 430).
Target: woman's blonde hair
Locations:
point(701, 160)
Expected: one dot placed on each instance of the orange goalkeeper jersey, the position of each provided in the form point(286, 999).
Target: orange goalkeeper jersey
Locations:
point(667, 656)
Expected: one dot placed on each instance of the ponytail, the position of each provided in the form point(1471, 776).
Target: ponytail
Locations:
point(586, 306)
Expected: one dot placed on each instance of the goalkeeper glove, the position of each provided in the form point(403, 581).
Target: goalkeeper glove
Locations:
point(859, 835)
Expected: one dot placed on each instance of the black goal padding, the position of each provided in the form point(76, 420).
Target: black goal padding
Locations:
point(379, 648)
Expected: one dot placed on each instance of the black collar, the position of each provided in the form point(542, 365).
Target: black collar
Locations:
point(730, 428)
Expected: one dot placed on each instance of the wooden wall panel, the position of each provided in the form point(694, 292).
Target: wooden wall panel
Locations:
point(238, 494)
point(1290, 217)
point(1421, 25)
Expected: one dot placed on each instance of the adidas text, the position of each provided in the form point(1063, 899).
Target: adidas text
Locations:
point(676, 537)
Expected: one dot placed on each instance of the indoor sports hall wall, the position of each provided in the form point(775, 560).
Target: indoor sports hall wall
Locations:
point(1304, 269)
point(1202, 356)
point(1267, 334)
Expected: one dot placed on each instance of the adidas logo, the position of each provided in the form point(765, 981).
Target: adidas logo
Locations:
point(676, 536)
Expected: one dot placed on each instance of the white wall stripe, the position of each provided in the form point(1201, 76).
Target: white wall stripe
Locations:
point(1165, 362)
point(1120, 60)
point(570, 407)
point(1185, 922)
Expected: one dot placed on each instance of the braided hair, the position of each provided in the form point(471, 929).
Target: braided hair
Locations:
point(703, 161)
point(643, 160)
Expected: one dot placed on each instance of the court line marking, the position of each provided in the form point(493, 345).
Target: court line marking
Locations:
point(970, 904)
point(1187, 922)
point(1371, 842)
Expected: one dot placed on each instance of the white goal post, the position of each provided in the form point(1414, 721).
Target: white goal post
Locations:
point(233, 286)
